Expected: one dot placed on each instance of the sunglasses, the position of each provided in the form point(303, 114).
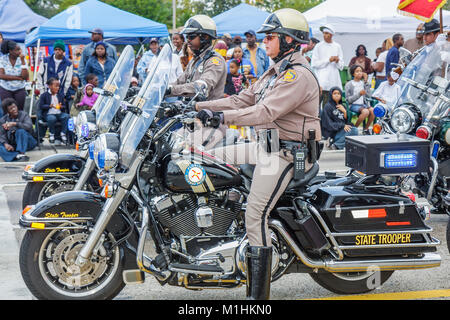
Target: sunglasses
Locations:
point(191, 36)
point(270, 36)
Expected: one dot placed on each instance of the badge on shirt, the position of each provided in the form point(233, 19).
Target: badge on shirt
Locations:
point(290, 76)
point(215, 61)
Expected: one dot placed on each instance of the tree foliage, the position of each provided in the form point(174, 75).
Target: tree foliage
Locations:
point(161, 10)
point(46, 8)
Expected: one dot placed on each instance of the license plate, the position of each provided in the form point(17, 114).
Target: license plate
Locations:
point(390, 238)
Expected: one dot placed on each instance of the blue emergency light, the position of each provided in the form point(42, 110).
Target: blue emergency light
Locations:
point(399, 160)
point(379, 110)
point(70, 124)
point(91, 150)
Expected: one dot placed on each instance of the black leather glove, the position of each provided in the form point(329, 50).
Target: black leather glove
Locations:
point(168, 91)
point(209, 118)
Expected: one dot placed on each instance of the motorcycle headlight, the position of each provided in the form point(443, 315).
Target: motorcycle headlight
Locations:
point(86, 127)
point(105, 151)
point(404, 120)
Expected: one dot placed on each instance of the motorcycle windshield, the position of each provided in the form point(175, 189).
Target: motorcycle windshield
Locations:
point(148, 100)
point(430, 68)
point(118, 83)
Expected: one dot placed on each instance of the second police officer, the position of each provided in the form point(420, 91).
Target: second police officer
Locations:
point(283, 105)
point(206, 65)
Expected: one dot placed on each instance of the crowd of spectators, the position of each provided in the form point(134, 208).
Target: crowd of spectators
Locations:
point(65, 86)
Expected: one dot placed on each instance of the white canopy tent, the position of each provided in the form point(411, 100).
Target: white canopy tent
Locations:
point(367, 22)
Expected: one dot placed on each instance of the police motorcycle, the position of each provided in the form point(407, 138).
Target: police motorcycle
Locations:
point(423, 110)
point(65, 171)
point(83, 245)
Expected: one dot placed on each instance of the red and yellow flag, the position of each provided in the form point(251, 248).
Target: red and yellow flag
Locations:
point(421, 9)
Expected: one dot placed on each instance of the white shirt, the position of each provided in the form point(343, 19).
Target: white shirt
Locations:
point(177, 68)
point(328, 72)
point(387, 92)
point(382, 58)
point(54, 102)
point(57, 63)
point(358, 87)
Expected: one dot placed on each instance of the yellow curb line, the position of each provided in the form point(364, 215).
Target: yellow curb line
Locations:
point(429, 294)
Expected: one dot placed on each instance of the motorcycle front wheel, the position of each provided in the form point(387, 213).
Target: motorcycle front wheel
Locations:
point(351, 282)
point(47, 263)
point(36, 191)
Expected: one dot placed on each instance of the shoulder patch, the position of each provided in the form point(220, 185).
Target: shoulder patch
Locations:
point(215, 61)
point(290, 76)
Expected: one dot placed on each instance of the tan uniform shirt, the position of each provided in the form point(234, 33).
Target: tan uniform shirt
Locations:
point(212, 70)
point(277, 100)
point(413, 45)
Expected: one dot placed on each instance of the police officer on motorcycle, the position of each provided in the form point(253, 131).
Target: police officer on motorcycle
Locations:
point(207, 65)
point(283, 106)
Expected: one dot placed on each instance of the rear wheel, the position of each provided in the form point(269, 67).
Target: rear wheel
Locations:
point(47, 263)
point(351, 282)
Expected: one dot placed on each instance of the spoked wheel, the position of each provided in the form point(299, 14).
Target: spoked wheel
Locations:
point(37, 191)
point(47, 264)
point(351, 282)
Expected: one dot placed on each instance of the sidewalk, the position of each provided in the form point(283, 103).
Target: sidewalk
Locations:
point(45, 150)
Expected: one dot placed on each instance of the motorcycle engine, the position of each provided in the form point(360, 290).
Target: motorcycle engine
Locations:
point(206, 228)
point(189, 215)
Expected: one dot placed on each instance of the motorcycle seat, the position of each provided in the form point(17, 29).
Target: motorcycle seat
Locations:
point(247, 170)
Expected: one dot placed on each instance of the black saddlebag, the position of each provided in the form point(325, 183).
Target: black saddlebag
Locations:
point(364, 223)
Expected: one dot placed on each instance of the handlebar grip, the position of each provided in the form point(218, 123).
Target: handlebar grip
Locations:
point(214, 122)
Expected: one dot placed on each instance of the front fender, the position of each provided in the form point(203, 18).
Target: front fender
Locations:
point(70, 209)
point(56, 166)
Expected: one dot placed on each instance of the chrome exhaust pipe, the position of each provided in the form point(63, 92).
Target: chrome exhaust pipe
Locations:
point(427, 260)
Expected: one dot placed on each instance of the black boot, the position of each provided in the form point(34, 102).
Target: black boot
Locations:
point(259, 269)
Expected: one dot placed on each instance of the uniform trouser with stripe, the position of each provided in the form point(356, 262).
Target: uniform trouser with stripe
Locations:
point(272, 174)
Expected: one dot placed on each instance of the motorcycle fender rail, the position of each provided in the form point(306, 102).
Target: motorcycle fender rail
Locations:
point(62, 211)
point(56, 167)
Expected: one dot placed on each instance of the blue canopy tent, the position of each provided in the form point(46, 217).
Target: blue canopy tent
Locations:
point(16, 18)
point(239, 19)
point(73, 26)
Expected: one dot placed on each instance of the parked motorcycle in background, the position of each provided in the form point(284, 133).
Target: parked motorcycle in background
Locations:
point(423, 110)
point(64, 171)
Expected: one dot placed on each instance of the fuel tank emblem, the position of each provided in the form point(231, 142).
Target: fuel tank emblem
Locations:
point(195, 174)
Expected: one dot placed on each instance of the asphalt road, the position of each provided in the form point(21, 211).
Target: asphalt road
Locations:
point(412, 284)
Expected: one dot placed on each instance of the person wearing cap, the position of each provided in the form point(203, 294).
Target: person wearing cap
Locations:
point(96, 36)
point(307, 51)
point(146, 59)
point(255, 54)
point(228, 40)
point(285, 99)
point(415, 43)
point(55, 66)
point(207, 65)
point(431, 32)
point(327, 61)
